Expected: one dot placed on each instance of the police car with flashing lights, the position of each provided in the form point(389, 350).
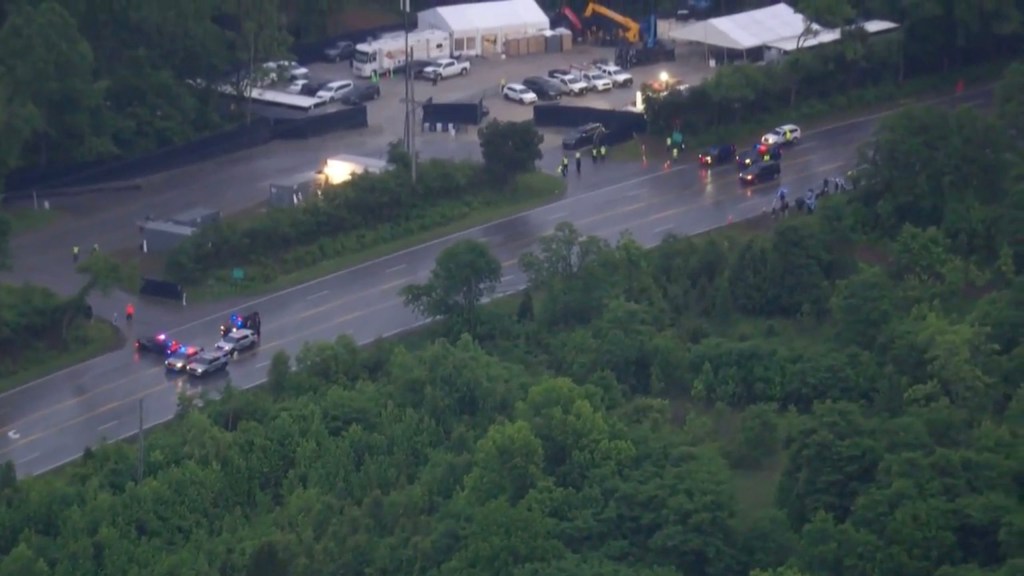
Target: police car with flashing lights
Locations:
point(251, 321)
point(179, 360)
point(158, 344)
point(208, 363)
point(238, 341)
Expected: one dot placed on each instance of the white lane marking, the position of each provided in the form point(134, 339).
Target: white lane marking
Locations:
point(470, 231)
point(317, 295)
point(636, 192)
point(663, 228)
point(507, 278)
point(558, 216)
point(400, 266)
point(108, 425)
point(262, 364)
point(27, 458)
point(13, 435)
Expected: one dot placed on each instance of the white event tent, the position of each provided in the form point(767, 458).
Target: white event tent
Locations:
point(482, 28)
point(778, 27)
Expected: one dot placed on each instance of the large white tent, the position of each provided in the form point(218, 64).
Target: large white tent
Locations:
point(826, 36)
point(746, 30)
point(483, 27)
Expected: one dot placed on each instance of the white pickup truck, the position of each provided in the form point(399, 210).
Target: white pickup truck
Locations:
point(446, 68)
point(620, 78)
point(597, 81)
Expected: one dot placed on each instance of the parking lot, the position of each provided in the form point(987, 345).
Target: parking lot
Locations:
point(386, 115)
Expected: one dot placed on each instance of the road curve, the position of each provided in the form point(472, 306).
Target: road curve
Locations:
point(50, 421)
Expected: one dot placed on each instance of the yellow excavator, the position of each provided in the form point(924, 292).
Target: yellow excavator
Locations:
point(630, 27)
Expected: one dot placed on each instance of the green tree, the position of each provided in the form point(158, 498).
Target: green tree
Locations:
point(863, 306)
point(278, 373)
point(51, 65)
point(507, 465)
point(465, 273)
point(22, 562)
point(833, 458)
point(509, 149)
point(1009, 99)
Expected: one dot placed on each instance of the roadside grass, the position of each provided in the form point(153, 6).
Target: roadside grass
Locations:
point(91, 339)
point(533, 190)
point(27, 219)
point(815, 113)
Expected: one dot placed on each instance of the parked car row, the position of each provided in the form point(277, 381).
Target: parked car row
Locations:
point(344, 91)
point(559, 82)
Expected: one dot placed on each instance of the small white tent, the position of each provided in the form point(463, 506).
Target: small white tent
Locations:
point(483, 27)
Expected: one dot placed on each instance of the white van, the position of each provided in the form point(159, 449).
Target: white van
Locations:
point(334, 90)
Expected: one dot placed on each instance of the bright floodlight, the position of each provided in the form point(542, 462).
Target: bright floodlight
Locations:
point(663, 76)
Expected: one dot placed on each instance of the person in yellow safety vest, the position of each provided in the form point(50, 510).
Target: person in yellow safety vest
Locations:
point(565, 166)
point(668, 144)
point(593, 154)
point(675, 154)
point(604, 152)
point(785, 135)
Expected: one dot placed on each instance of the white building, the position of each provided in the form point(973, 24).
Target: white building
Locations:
point(482, 28)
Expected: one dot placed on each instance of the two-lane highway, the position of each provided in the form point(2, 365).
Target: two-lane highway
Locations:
point(52, 420)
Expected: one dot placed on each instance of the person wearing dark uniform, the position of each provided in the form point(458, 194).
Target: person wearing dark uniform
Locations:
point(565, 167)
point(579, 164)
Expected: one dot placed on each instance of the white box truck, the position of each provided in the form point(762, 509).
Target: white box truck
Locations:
point(388, 53)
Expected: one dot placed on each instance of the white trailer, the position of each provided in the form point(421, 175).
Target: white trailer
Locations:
point(388, 53)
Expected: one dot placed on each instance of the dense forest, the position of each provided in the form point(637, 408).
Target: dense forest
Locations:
point(839, 396)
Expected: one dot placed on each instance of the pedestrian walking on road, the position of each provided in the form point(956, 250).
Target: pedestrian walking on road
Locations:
point(579, 164)
point(129, 312)
point(675, 154)
point(604, 152)
point(114, 319)
point(74, 254)
point(593, 154)
point(95, 248)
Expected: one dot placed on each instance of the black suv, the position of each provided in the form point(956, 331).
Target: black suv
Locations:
point(544, 88)
point(761, 172)
point(715, 155)
point(343, 50)
point(587, 135)
point(361, 94)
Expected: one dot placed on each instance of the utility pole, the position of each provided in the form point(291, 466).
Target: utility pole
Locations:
point(410, 95)
point(142, 447)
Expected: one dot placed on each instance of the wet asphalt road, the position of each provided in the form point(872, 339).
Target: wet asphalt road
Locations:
point(51, 421)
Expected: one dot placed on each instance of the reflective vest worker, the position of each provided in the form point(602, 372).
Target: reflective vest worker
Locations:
point(593, 153)
point(668, 143)
point(74, 253)
point(675, 153)
point(604, 151)
point(786, 135)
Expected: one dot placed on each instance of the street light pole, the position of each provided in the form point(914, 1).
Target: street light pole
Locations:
point(410, 95)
